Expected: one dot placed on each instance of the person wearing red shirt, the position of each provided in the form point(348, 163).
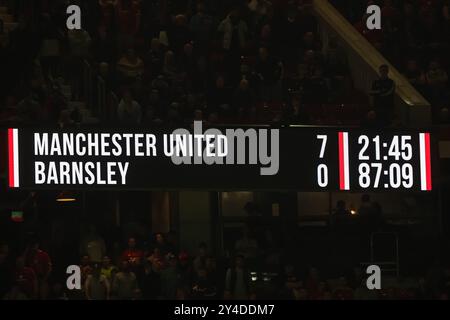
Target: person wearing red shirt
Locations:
point(132, 255)
point(25, 278)
point(40, 262)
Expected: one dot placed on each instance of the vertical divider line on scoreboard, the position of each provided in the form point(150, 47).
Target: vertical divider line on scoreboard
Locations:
point(344, 175)
point(13, 158)
point(425, 162)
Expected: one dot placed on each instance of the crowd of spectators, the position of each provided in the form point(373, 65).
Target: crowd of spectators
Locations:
point(173, 61)
point(415, 38)
point(158, 269)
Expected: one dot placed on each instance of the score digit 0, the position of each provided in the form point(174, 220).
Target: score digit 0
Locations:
point(322, 169)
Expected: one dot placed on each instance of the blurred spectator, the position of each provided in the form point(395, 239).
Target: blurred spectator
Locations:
point(247, 246)
point(129, 110)
point(125, 284)
point(130, 67)
point(132, 254)
point(291, 282)
point(93, 245)
point(200, 260)
point(26, 279)
point(40, 262)
point(202, 27)
point(235, 31)
point(383, 91)
point(97, 286)
point(436, 79)
point(170, 278)
point(269, 71)
point(107, 269)
point(237, 280)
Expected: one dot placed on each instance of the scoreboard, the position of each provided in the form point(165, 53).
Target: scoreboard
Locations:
point(300, 158)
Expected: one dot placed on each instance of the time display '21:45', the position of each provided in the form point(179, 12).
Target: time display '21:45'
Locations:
point(398, 175)
point(391, 164)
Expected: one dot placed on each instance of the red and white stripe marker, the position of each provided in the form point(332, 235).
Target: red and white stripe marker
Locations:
point(13, 148)
point(425, 162)
point(344, 174)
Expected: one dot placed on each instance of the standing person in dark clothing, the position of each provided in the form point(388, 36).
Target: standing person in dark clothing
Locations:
point(383, 91)
point(237, 280)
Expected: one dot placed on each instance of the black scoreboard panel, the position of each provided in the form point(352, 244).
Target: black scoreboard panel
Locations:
point(307, 159)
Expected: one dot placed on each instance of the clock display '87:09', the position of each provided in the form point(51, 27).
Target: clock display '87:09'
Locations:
point(390, 162)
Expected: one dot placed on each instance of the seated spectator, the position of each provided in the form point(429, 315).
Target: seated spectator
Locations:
point(200, 260)
point(170, 69)
point(169, 278)
point(97, 286)
point(129, 111)
point(108, 269)
point(132, 254)
point(218, 98)
point(244, 101)
point(128, 14)
point(414, 74)
point(86, 269)
point(295, 112)
point(234, 31)
point(130, 66)
point(125, 285)
point(93, 245)
point(179, 33)
point(156, 256)
point(202, 27)
point(436, 79)
point(154, 60)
